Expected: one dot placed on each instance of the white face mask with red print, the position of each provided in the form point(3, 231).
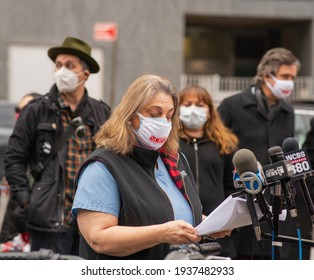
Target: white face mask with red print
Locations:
point(153, 132)
point(282, 88)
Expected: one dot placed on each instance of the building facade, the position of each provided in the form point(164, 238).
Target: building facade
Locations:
point(164, 37)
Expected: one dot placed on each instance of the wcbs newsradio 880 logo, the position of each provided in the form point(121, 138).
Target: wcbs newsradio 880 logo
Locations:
point(295, 163)
point(299, 160)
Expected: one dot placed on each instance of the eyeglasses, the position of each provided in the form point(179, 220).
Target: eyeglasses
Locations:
point(17, 110)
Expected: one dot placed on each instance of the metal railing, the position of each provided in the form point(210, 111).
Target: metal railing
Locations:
point(220, 87)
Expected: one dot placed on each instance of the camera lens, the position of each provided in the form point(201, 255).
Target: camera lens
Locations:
point(80, 131)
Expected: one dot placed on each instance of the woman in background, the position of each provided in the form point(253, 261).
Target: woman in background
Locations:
point(209, 147)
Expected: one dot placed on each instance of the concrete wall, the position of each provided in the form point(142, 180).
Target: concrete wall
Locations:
point(151, 33)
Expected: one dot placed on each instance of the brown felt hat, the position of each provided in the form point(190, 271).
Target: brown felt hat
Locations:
point(77, 48)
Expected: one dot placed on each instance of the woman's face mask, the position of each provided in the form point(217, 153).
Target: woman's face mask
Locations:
point(66, 80)
point(193, 117)
point(153, 132)
point(282, 88)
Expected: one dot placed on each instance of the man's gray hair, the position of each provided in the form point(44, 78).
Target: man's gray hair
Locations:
point(271, 62)
point(85, 65)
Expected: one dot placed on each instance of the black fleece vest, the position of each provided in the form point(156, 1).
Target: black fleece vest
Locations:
point(143, 201)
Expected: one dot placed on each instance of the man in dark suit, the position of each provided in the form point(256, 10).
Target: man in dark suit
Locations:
point(261, 118)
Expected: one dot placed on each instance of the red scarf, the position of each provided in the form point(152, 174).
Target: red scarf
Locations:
point(171, 163)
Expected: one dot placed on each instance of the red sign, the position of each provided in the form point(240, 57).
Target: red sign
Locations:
point(105, 31)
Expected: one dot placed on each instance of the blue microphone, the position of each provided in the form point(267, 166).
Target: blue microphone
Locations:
point(250, 181)
point(249, 176)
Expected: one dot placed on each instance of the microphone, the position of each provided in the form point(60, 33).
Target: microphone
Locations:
point(290, 144)
point(249, 175)
point(299, 158)
point(300, 161)
point(285, 171)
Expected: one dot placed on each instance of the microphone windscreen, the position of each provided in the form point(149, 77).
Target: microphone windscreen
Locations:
point(244, 161)
point(290, 144)
point(275, 154)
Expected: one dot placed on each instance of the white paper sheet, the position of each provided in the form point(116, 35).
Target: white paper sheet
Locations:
point(230, 214)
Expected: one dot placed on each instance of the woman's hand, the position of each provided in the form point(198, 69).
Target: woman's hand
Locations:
point(220, 234)
point(179, 232)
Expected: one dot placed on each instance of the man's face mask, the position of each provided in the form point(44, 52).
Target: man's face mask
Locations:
point(193, 117)
point(282, 88)
point(66, 80)
point(153, 132)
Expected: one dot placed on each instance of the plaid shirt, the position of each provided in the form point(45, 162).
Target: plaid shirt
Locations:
point(77, 151)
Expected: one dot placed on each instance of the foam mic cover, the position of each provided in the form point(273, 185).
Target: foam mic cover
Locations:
point(275, 154)
point(290, 144)
point(244, 161)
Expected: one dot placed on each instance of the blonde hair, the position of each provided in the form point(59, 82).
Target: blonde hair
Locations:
point(117, 135)
point(214, 128)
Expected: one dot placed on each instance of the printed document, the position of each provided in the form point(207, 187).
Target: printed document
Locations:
point(230, 214)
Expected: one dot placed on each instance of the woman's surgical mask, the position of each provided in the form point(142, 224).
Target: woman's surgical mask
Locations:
point(193, 117)
point(66, 80)
point(282, 88)
point(153, 132)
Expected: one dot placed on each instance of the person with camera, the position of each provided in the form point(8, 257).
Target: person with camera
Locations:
point(136, 193)
point(52, 137)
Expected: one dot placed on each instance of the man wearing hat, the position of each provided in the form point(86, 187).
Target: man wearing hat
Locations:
point(53, 136)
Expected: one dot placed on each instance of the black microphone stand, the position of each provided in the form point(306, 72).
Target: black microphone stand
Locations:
point(288, 239)
point(301, 178)
point(252, 210)
point(276, 209)
point(254, 218)
point(277, 239)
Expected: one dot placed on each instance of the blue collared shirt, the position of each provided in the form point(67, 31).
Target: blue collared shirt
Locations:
point(98, 191)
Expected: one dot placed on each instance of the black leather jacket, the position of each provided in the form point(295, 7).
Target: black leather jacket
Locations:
point(40, 123)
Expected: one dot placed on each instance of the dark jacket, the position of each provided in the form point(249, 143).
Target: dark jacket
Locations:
point(143, 201)
point(40, 125)
point(213, 172)
point(309, 146)
point(257, 130)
